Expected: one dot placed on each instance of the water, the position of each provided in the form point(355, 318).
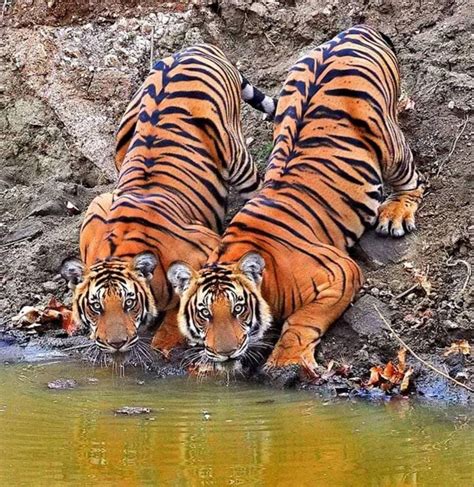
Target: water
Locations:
point(206, 434)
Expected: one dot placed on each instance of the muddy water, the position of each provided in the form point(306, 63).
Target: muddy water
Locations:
point(208, 434)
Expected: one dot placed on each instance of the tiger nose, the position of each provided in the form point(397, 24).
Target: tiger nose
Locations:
point(227, 351)
point(117, 343)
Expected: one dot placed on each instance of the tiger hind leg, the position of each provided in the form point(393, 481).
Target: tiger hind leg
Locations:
point(397, 213)
point(303, 330)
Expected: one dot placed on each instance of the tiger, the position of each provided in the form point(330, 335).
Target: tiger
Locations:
point(282, 266)
point(179, 149)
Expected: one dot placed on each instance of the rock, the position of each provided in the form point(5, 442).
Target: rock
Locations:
point(132, 410)
point(363, 317)
point(258, 8)
point(451, 325)
point(52, 207)
point(60, 384)
point(25, 230)
point(111, 60)
point(379, 251)
point(50, 286)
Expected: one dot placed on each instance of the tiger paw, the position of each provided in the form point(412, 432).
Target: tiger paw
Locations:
point(397, 217)
point(166, 343)
point(280, 377)
point(285, 371)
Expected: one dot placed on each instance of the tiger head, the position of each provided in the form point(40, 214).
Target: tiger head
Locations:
point(112, 298)
point(222, 311)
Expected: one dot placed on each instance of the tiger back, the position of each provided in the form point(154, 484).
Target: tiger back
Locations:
point(337, 140)
point(179, 149)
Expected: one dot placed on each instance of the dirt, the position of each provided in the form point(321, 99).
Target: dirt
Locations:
point(71, 68)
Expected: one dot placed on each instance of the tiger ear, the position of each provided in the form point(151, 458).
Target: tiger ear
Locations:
point(145, 264)
point(180, 275)
point(72, 270)
point(252, 266)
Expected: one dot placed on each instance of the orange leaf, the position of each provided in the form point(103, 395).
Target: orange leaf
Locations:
point(68, 324)
point(374, 376)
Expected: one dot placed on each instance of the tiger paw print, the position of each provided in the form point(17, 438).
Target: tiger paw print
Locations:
point(397, 213)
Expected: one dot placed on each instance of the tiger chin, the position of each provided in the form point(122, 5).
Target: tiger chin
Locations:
point(222, 314)
point(113, 299)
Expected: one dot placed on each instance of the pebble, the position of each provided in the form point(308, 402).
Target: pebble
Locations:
point(61, 384)
point(132, 410)
point(451, 105)
point(50, 286)
point(375, 291)
point(451, 325)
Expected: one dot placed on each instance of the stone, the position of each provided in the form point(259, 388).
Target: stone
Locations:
point(132, 410)
point(50, 286)
point(61, 384)
point(52, 207)
point(25, 231)
point(380, 251)
point(363, 318)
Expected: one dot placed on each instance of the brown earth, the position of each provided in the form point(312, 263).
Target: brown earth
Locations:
point(71, 68)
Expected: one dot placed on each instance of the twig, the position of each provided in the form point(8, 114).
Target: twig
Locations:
point(469, 271)
point(152, 46)
point(269, 40)
point(453, 148)
point(408, 291)
point(424, 362)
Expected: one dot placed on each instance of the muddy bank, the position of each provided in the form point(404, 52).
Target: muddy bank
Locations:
point(71, 69)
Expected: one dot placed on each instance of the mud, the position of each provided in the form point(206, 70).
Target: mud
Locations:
point(71, 68)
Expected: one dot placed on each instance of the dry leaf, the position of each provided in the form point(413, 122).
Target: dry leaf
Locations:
point(27, 315)
point(406, 380)
point(54, 315)
point(391, 375)
point(405, 103)
point(459, 346)
point(374, 376)
point(402, 355)
point(72, 208)
point(422, 279)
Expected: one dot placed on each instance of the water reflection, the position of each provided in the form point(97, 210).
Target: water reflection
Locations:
point(206, 434)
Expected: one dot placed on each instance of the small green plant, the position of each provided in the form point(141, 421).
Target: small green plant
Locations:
point(261, 154)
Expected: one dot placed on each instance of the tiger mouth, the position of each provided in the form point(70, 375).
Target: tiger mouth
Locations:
point(123, 348)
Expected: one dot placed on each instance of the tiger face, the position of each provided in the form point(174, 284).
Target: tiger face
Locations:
point(112, 299)
point(222, 311)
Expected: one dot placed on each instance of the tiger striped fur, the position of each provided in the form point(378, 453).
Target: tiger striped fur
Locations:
point(284, 256)
point(179, 150)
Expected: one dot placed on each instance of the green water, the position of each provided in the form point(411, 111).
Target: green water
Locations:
point(205, 434)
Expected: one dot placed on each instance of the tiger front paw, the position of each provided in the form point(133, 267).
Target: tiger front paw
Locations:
point(165, 343)
point(284, 369)
point(397, 217)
